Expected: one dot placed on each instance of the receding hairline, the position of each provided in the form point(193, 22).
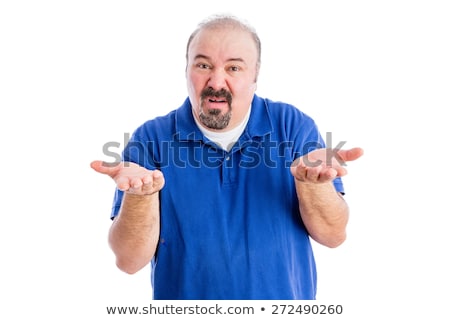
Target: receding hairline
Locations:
point(220, 21)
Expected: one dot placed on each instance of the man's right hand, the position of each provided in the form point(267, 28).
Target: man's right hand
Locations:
point(131, 178)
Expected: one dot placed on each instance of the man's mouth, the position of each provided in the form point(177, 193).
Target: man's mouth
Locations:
point(219, 97)
point(217, 100)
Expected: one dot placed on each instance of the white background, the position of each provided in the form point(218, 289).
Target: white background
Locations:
point(75, 75)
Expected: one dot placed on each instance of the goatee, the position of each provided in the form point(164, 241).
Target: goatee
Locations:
point(214, 119)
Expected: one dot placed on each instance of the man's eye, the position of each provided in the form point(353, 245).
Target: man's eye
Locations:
point(235, 68)
point(203, 66)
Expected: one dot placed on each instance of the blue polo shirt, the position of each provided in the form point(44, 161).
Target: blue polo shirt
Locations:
point(230, 221)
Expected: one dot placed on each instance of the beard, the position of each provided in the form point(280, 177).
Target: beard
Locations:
point(214, 118)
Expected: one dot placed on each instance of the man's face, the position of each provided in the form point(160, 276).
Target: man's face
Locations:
point(221, 76)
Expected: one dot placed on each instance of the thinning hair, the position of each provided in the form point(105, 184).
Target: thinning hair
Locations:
point(219, 21)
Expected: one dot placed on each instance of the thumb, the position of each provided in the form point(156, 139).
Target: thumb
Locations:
point(102, 167)
point(350, 154)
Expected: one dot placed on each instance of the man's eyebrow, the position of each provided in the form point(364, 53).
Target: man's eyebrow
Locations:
point(202, 56)
point(236, 59)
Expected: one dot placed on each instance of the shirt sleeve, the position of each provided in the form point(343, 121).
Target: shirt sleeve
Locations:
point(306, 137)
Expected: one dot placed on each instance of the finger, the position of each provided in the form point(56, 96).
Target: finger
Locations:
point(146, 183)
point(154, 183)
point(158, 180)
point(312, 174)
point(327, 174)
point(299, 172)
point(104, 168)
point(136, 183)
point(340, 171)
point(350, 154)
point(123, 183)
point(147, 178)
point(97, 165)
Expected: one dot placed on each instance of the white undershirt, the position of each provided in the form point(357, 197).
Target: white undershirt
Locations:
point(225, 139)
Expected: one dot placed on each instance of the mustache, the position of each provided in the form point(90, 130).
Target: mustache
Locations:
point(210, 92)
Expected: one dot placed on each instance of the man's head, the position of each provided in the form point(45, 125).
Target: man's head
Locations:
point(223, 58)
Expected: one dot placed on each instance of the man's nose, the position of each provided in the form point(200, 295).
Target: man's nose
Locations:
point(217, 79)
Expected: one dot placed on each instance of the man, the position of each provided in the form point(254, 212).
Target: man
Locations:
point(223, 194)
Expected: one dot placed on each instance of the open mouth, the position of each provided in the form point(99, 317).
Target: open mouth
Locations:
point(212, 96)
point(215, 100)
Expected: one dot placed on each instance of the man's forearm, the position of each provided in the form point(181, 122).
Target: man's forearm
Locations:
point(324, 212)
point(134, 234)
